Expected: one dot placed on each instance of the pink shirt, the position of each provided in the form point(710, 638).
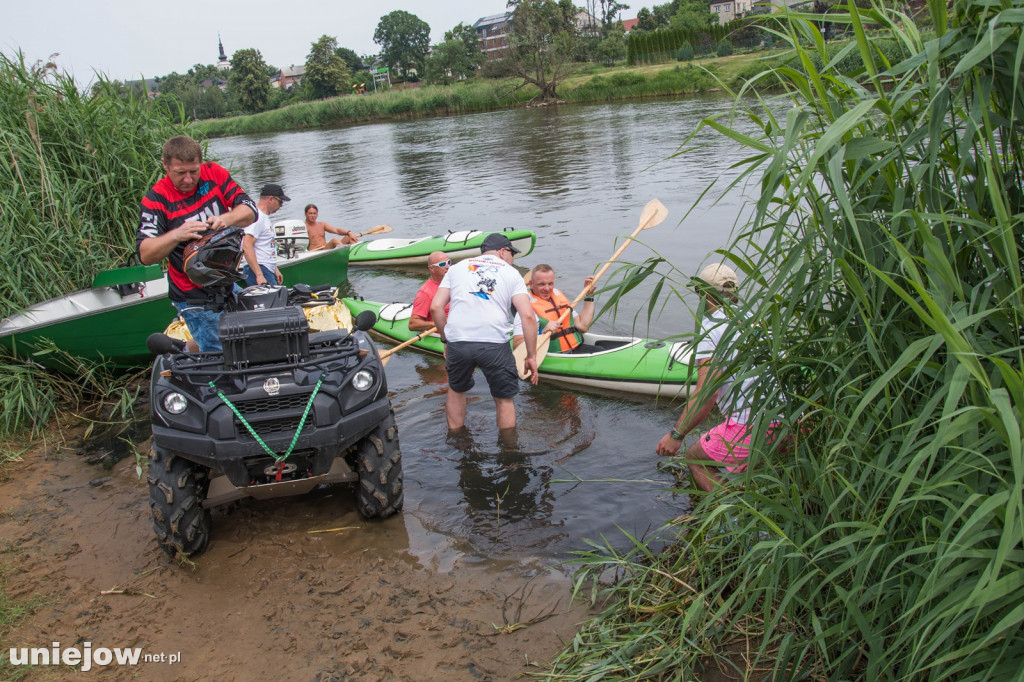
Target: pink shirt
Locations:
point(421, 304)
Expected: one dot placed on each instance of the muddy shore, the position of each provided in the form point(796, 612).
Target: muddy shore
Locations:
point(293, 589)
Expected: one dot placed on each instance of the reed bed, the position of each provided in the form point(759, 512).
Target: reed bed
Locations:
point(880, 534)
point(462, 98)
point(74, 167)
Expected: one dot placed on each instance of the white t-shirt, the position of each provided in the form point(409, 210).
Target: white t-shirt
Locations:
point(481, 291)
point(733, 401)
point(266, 249)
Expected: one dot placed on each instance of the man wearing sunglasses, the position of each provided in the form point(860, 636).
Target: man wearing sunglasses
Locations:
point(420, 320)
point(258, 245)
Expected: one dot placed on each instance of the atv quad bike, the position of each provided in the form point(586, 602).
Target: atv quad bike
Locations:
point(278, 412)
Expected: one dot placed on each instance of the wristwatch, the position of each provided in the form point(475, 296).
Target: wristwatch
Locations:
point(675, 435)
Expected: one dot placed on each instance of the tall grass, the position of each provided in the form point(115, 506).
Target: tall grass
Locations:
point(462, 98)
point(74, 167)
point(883, 539)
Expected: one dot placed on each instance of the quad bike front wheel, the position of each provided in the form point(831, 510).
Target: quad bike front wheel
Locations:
point(177, 488)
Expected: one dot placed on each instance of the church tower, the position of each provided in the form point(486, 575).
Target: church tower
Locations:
point(222, 62)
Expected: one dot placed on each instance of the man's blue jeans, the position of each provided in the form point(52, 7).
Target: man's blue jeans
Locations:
point(202, 325)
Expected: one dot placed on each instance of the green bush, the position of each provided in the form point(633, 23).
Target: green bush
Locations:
point(724, 49)
point(685, 53)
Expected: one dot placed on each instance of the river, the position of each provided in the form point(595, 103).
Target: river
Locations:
point(583, 467)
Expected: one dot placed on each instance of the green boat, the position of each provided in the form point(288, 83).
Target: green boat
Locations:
point(624, 365)
point(111, 320)
point(459, 245)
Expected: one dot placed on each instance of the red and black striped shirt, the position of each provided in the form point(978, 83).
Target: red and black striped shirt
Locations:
point(164, 208)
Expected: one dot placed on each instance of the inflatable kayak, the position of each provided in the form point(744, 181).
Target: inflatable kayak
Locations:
point(388, 251)
point(625, 364)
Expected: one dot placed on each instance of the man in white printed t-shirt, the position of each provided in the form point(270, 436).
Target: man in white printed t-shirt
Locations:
point(483, 293)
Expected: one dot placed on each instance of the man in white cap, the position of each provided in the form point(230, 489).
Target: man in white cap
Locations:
point(727, 444)
point(483, 292)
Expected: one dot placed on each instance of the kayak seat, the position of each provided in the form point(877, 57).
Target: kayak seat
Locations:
point(606, 344)
point(390, 244)
point(460, 237)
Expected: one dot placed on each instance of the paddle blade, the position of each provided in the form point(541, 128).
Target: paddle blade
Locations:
point(654, 212)
point(377, 229)
point(519, 353)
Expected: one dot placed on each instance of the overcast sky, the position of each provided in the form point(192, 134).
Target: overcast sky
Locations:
point(126, 38)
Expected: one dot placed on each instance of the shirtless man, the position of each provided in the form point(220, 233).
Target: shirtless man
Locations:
point(315, 231)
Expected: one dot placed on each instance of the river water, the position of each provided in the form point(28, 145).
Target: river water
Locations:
point(582, 466)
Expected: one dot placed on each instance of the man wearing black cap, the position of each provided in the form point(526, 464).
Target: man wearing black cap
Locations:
point(258, 243)
point(483, 292)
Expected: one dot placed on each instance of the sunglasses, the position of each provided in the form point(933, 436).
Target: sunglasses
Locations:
point(442, 264)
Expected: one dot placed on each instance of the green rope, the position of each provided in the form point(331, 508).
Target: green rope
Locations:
point(255, 435)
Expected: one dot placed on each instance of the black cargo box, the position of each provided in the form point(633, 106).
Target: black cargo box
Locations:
point(255, 337)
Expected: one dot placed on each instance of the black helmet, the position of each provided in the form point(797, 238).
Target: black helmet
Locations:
point(214, 259)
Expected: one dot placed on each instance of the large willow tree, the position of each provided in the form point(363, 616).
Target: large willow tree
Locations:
point(883, 539)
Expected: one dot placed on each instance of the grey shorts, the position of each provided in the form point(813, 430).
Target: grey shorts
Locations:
point(494, 359)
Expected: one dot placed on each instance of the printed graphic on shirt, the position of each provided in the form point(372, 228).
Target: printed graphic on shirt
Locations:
point(486, 279)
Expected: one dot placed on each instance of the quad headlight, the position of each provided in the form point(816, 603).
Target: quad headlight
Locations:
point(175, 403)
point(363, 380)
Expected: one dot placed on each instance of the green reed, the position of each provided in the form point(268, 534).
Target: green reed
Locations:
point(880, 535)
point(74, 167)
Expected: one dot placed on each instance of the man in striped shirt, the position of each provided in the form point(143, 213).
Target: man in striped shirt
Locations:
point(191, 199)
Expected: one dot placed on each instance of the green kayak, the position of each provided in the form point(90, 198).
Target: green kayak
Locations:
point(625, 364)
point(458, 245)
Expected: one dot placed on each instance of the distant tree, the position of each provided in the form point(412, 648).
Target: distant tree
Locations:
point(404, 40)
point(662, 14)
point(542, 41)
point(247, 80)
point(326, 72)
point(471, 41)
point(645, 20)
point(609, 14)
point(685, 53)
point(353, 61)
point(204, 72)
point(693, 15)
point(611, 48)
point(458, 57)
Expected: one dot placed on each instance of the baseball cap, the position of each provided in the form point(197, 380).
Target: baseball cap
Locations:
point(273, 190)
point(496, 242)
point(720, 276)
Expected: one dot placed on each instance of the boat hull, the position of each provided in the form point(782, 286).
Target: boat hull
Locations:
point(101, 325)
point(624, 365)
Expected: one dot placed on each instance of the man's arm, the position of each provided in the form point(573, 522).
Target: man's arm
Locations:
point(418, 321)
point(437, 306)
point(249, 251)
point(586, 313)
point(521, 302)
point(694, 412)
point(337, 230)
point(155, 249)
point(241, 215)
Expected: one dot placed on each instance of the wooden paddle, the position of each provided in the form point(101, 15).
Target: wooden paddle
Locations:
point(654, 212)
point(386, 355)
point(376, 229)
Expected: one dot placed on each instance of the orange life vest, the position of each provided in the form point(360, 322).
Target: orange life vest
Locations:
point(567, 336)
